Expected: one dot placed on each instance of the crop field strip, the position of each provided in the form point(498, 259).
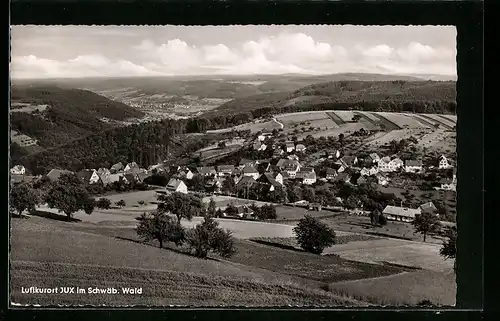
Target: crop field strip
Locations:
point(387, 123)
point(336, 119)
point(368, 119)
point(452, 118)
point(422, 120)
point(437, 120)
point(447, 120)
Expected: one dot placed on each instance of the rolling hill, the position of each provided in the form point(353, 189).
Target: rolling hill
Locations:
point(69, 114)
point(345, 91)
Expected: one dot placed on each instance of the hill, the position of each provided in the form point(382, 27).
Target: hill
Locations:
point(45, 254)
point(67, 114)
point(344, 91)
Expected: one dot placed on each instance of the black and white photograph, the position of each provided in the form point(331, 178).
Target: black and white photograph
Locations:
point(233, 166)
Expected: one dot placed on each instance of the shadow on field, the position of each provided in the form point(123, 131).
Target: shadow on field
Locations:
point(167, 246)
point(54, 216)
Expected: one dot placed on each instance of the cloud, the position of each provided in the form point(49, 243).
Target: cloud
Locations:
point(284, 52)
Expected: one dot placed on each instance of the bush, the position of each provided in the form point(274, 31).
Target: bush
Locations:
point(209, 237)
point(103, 203)
point(141, 202)
point(120, 203)
point(313, 235)
point(266, 212)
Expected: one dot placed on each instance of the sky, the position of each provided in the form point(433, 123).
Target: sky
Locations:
point(127, 51)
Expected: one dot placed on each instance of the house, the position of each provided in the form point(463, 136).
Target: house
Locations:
point(373, 171)
point(89, 176)
point(249, 170)
point(293, 157)
point(268, 179)
point(444, 163)
point(314, 207)
point(396, 163)
point(361, 180)
point(278, 177)
point(115, 178)
point(334, 154)
point(13, 133)
point(364, 172)
point(278, 152)
point(331, 173)
point(339, 167)
point(403, 214)
point(18, 170)
point(262, 137)
point(142, 175)
point(104, 175)
point(225, 170)
point(413, 166)
point(176, 185)
point(206, 171)
point(245, 182)
point(291, 167)
point(381, 179)
point(54, 174)
point(385, 164)
point(300, 148)
point(185, 173)
point(245, 161)
point(244, 211)
point(449, 184)
point(21, 178)
point(309, 178)
point(131, 167)
point(116, 168)
point(373, 158)
point(428, 207)
point(290, 146)
point(342, 177)
point(23, 140)
point(259, 146)
point(348, 161)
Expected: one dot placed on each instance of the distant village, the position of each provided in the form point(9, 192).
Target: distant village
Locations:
point(249, 178)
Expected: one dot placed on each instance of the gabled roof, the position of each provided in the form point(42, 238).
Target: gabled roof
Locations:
point(348, 160)
point(225, 168)
point(18, 168)
point(117, 166)
point(249, 169)
point(142, 176)
point(86, 174)
point(310, 175)
point(19, 178)
point(132, 165)
point(268, 178)
point(300, 146)
point(374, 156)
point(401, 211)
point(429, 206)
point(174, 183)
point(385, 159)
point(245, 181)
point(281, 162)
point(245, 161)
point(54, 174)
point(410, 162)
point(206, 170)
point(343, 176)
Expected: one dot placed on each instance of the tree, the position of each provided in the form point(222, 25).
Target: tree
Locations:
point(219, 213)
point(426, 223)
point(265, 212)
point(449, 249)
point(382, 220)
point(221, 145)
point(228, 186)
point(23, 197)
point(161, 227)
point(212, 209)
point(374, 217)
point(120, 203)
point(180, 204)
point(209, 237)
point(68, 195)
point(141, 202)
point(231, 210)
point(356, 118)
point(103, 203)
point(314, 235)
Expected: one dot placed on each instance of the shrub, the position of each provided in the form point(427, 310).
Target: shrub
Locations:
point(120, 203)
point(103, 203)
point(209, 237)
point(313, 235)
point(266, 212)
point(141, 202)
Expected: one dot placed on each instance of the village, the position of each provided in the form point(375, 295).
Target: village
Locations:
point(275, 179)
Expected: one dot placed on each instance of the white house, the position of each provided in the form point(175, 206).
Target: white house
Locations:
point(131, 167)
point(176, 185)
point(385, 164)
point(249, 170)
point(364, 172)
point(396, 163)
point(18, 170)
point(225, 170)
point(413, 166)
point(331, 174)
point(403, 214)
point(373, 158)
point(300, 147)
point(89, 176)
point(444, 162)
point(382, 179)
point(290, 147)
point(309, 178)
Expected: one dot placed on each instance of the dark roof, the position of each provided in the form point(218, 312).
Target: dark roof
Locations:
point(245, 161)
point(349, 160)
point(55, 173)
point(411, 162)
point(249, 169)
point(225, 168)
point(206, 170)
point(117, 166)
point(268, 178)
point(17, 178)
point(245, 181)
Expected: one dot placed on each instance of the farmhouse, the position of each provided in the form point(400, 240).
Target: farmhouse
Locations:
point(343, 177)
point(291, 167)
point(348, 161)
point(381, 179)
point(290, 146)
point(368, 171)
point(396, 163)
point(373, 158)
point(403, 214)
point(263, 136)
point(206, 171)
point(54, 174)
point(245, 161)
point(413, 166)
point(89, 176)
point(16, 178)
point(116, 168)
point(444, 163)
point(104, 175)
point(225, 170)
point(176, 185)
point(331, 173)
point(268, 179)
point(131, 167)
point(245, 182)
point(385, 164)
point(309, 178)
point(300, 148)
point(259, 146)
point(186, 173)
point(428, 207)
point(334, 154)
point(249, 170)
point(448, 184)
point(244, 211)
point(23, 140)
point(18, 170)
point(115, 178)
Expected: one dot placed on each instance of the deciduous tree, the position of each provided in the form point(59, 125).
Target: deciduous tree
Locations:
point(23, 197)
point(426, 223)
point(161, 227)
point(313, 235)
point(180, 204)
point(209, 237)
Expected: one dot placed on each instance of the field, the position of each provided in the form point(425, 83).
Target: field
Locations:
point(403, 120)
point(407, 288)
point(254, 127)
point(49, 254)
